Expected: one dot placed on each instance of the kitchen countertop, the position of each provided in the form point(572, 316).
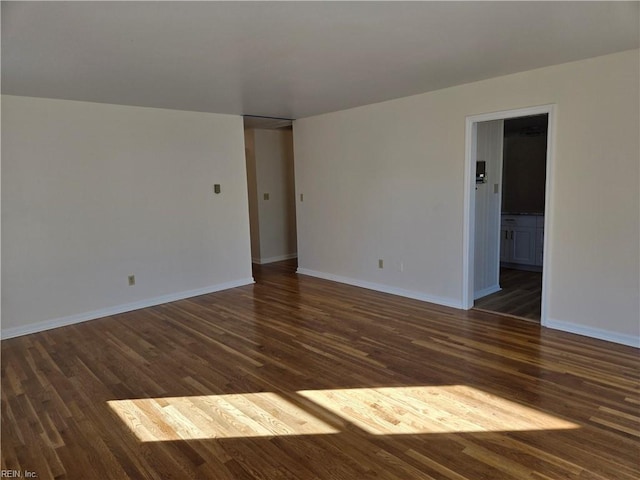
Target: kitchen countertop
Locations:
point(523, 213)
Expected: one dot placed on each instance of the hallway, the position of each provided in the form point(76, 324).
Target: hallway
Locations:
point(520, 296)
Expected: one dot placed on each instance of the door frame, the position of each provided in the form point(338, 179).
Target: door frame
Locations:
point(471, 137)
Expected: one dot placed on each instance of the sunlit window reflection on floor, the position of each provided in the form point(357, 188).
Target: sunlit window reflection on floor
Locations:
point(432, 409)
point(216, 416)
point(377, 411)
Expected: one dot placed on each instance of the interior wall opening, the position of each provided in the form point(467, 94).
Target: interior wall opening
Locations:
point(271, 188)
point(510, 165)
point(519, 167)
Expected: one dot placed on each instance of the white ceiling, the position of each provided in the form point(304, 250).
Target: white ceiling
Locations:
point(291, 59)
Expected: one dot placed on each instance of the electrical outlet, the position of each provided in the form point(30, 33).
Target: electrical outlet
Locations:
point(216, 188)
point(132, 280)
point(380, 263)
point(266, 196)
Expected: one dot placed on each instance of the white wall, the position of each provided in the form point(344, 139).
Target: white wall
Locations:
point(387, 181)
point(272, 159)
point(487, 218)
point(92, 193)
point(252, 185)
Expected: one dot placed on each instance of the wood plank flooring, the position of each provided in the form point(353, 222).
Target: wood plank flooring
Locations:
point(301, 378)
point(521, 295)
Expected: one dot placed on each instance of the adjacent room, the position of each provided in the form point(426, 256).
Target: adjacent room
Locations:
point(510, 190)
point(320, 240)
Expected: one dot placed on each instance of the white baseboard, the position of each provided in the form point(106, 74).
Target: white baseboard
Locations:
point(447, 302)
point(279, 258)
point(486, 291)
point(615, 337)
point(95, 314)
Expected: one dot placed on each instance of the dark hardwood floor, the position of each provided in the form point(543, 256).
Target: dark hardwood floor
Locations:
point(301, 378)
point(521, 295)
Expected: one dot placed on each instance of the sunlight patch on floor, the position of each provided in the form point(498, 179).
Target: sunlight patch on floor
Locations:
point(244, 415)
point(432, 409)
point(377, 411)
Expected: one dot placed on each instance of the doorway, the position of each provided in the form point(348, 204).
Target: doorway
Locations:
point(507, 209)
point(518, 194)
point(271, 189)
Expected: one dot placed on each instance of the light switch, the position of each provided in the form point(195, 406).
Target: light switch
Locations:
point(266, 196)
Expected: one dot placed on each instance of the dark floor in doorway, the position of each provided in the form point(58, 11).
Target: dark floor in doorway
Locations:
point(521, 295)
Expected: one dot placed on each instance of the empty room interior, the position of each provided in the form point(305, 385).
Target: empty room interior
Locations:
point(320, 240)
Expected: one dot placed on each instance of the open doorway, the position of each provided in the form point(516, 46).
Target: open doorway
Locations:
point(521, 205)
point(508, 161)
point(271, 188)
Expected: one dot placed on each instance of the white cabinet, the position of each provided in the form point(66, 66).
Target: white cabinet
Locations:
point(505, 244)
point(521, 240)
